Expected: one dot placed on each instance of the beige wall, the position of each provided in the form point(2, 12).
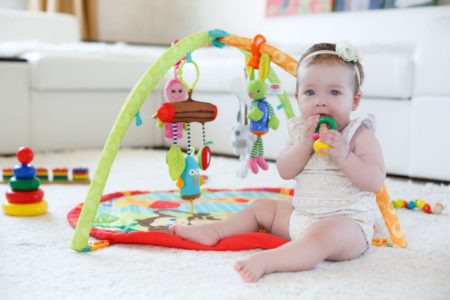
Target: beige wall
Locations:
point(162, 21)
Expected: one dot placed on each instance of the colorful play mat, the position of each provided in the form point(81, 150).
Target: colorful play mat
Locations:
point(143, 217)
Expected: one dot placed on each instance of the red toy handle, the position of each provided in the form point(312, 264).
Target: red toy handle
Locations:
point(166, 112)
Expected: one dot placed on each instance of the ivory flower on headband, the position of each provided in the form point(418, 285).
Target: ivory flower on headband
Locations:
point(347, 52)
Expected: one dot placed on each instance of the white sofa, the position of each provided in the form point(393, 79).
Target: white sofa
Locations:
point(59, 93)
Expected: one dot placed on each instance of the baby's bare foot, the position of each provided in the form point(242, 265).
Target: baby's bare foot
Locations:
point(252, 268)
point(203, 234)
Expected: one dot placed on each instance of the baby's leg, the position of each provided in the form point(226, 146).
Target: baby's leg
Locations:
point(335, 238)
point(271, 214)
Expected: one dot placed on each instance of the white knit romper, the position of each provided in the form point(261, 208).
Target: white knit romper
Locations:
point(322, 190)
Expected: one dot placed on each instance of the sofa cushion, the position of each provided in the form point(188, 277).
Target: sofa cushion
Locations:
point(429, 142)
point(388, 75)
point(433, 61)
point(90, 68)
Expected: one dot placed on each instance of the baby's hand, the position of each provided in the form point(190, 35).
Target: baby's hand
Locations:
point(309, 129)
point(339, 146)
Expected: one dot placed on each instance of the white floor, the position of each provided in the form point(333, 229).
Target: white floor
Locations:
point(36, 261)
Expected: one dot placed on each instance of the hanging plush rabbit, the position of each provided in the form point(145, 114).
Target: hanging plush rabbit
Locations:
point(261, 115)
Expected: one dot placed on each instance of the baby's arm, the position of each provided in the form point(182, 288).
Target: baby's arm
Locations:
point(363, 164)
point(293, 158)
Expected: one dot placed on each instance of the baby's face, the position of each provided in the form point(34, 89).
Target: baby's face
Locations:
point(327, 89)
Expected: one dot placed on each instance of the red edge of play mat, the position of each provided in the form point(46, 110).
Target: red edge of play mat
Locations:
point(245, 241)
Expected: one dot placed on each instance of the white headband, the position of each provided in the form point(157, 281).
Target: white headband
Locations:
point(345, 51)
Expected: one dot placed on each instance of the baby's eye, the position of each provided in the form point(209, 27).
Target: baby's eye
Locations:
point(335, 93)
point(309, 93)
point(180, 91)
point(174, 91)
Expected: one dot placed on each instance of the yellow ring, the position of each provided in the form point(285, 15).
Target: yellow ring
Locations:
point(31, 209)
point(318, 144)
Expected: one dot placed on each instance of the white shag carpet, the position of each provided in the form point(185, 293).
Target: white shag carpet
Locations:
point(36, 261)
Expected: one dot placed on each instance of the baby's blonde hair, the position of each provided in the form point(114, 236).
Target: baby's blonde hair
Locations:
point(319, 58)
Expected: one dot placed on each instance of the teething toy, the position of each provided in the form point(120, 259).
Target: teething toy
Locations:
point(322, 127)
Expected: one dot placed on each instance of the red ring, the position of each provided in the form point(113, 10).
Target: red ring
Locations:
point(21, 197)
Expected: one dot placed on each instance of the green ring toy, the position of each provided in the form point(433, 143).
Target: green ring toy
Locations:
point(326, 120)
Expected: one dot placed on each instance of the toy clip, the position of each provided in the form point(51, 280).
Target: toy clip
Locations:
point(257, 42)
point(92, 246)
point(216, 34)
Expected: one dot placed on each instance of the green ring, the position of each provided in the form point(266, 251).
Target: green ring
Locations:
point(24, 184)
point(326, 120)
point(180, 75)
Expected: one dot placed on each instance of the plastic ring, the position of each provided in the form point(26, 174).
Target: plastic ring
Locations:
point(180, 75)
point(326, 120)
point(32, 209)
point(320, 145)
point(24, 171)
point(24, 184)
point(22, 197)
